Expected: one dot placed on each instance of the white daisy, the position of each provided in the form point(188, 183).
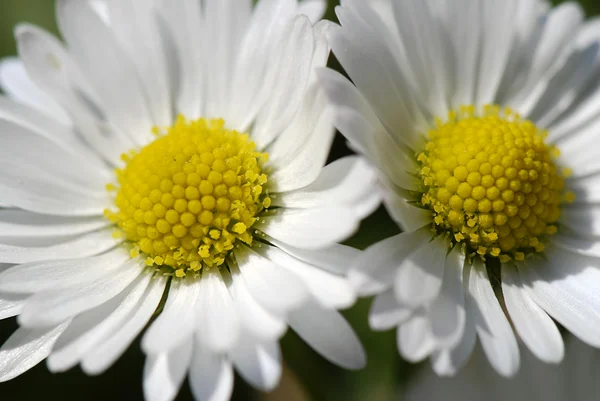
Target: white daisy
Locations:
point(575, 379)
point(172, 168)
point(479, 116)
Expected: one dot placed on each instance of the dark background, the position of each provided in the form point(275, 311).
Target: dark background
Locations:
point(307, 376)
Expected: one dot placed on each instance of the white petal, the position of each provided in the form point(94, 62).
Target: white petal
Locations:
point(84, 246)
point(374, 70)
point(495, 333)
point(326, 331)
point(313, 9)
point(336, 259)
point(51, 307)
point(52, 68)
point(376, 267)
point(164, 373)
point(11, 304)
point(225, 24)
point(108, 67)
point(273, 288)
point(184, 21)
point(447, 311)
point(254, 65)
point(293, 59)
point(177, 322)
point(307, 163)
point(258, 362)
point(61, 135)
point(25, 349)
point(430, 59)
point(211, 376)
point(386, 312)
point(566, 287)
point(330, 290)
point(19, 223)
point(15, 82)
point(419, 277)
point(60, 274)
point(533, 325)
point(344, 181)
point(254, 317)
point(449, 362)
point(414, 338)
point(88, 329)
point(218, 323)
point(101, 357)
point(310, 228)
point(142, 41)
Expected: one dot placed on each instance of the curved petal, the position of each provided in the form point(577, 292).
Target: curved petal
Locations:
point(310, 228)
point(164, 373)
point(211, 376)
point(218, 323)
point(495, 333)
point(531, 322)
point(51, 307)
point(326, 331)
point(104, 354)
point(25, 349)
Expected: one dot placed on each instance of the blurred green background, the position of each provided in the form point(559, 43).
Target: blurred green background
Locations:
point(307, 376)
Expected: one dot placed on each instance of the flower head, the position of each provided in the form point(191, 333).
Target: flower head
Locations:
point(477, 115)
point(171, 172)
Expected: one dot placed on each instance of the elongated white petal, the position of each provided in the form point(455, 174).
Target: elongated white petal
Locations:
point(218, 323)
point(15, 82)
point(60, 274)
point(326, 331)
point(447, 311)
point(414, 338)
point(102, 356)
point(310, 228)
point(211, 376)
point(419, 277)
point(336, 259)
point(293, 60)
point(448, 362)
point(18, 223)
point(177, 321)
point(164, 373)
point(90, 328)
point(386, 312)
point(376, 267)
point(344, 181)
point(495, 333)
point(11, 304)
point(258, 362)
point(25, 349)
point(330, 290)
point(51, 307)
point(113, 75)
point(84, 246)
point(533, 325)
point(275, 289)
point(566, 288)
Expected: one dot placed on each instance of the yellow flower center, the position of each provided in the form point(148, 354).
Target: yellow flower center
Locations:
point(187, 197)
point(492, 182)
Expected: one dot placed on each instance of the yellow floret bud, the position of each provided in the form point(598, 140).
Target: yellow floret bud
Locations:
point(492, 182)
point(177, 196)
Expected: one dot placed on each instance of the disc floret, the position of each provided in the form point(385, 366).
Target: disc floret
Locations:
point(186, 198)
point(492, 182)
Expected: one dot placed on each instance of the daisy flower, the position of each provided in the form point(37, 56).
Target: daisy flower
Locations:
point(479, 117)
point(574, 379)
point(171, 173)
